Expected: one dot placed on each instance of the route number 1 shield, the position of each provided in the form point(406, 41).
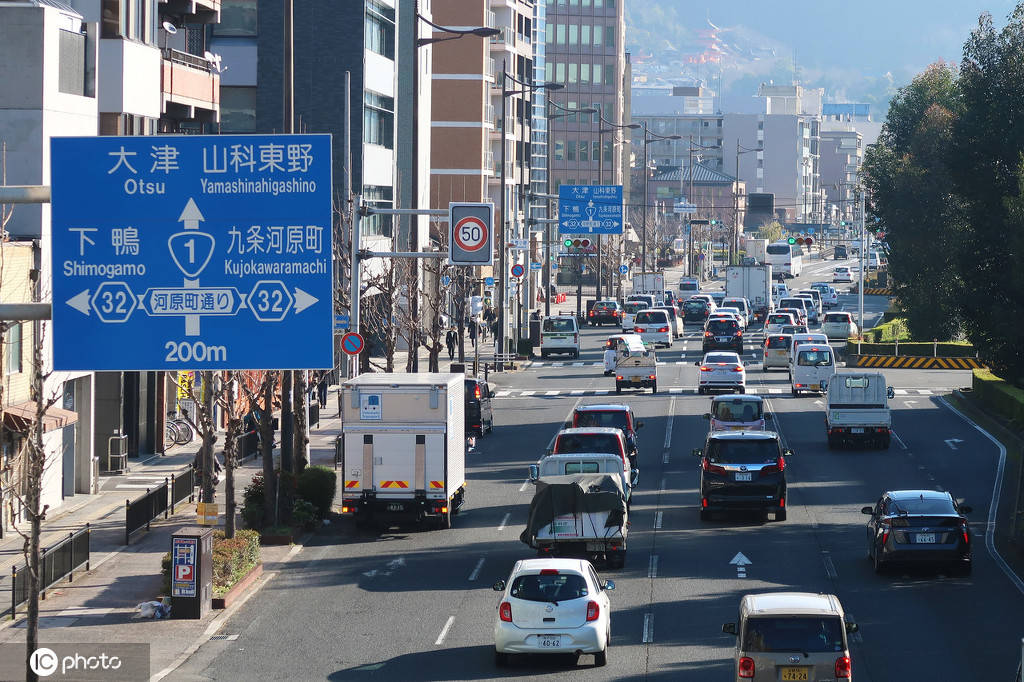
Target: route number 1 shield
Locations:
point(470, 233)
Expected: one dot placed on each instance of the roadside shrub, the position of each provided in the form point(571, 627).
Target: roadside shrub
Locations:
point(304, 514)
point(999, 396)
point(252, 498)
point(234, 558)
point(317, 485)
point(165, 572)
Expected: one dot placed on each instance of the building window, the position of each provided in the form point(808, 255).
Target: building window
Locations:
point(585, 34)
point(574, 34)
point(559, 150)
point(608, 152)
point(584, 150)
point(609, 36)
point(597, 74)
point(237, 18)
point(12, 351)
point(609, 76)
point(572, 71)
point(377, 224)
point(560, 30)
point(237, 109)
point(71, 77)
point(560, 72)
point(380, 29)
point(584, 73)
point(571, 151)
point(598, 35)
point(549, 72)
point(379, 120)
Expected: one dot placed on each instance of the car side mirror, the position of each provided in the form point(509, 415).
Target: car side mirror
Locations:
point(697, 363)
point(534, 472)
point(746, 363)
point(707, 416)
point(608, 585)
point(852, 627)
point(965, 508)
point(498, 586)
point(697, 452)
point(867, 510)
point(639, 425)
point(890, 393)
point(788, 453)
point(729, 628)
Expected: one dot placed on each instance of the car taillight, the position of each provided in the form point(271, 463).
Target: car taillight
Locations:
point(704, 502)
point(706, 369)
point(739, 332)
point(746, 667)
point(885, 536)
point(593, 611)
point(707, 333)
point(963, 531)
point(650, 376)
point(591, 313)
point(737, 369)
point(639, 329)
point(662, 329)
point(505, 612)
point(712, 468)
point(618, 378)
point(843, 667)
point(476, 392)
point(576, 338)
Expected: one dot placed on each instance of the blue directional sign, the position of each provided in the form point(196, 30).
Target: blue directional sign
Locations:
point(590, 209)
point(623, 269)
point(192, 252)
point(488, 281)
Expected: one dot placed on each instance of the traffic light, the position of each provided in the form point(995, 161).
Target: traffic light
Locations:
point(842, 223)
point(808, 241)
point(791, 240)
point(800, 241)
point(585, 243)
point(567, 243)
point(714, 222)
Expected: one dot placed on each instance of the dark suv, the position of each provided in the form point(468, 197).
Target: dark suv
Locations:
point(605, 312)
point(841, 252)
point(695, 310)
point(722, 334)
point(744, 470)
point(479, 415)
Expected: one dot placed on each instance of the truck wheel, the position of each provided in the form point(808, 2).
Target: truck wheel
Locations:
point(705, 515)
point(780, 514)
point(831, 443)
point(795, 393)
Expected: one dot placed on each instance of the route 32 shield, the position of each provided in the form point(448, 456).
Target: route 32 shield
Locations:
point(470, 233)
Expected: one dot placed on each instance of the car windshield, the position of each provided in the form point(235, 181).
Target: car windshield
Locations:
point(737, 410)
point(559, 325)
point(615, 419)
point(778, 341)
point(721, 326)
point(837, 317)
point(814, 358)
point(554, 587)
point(634, 306)
point(747, 451)
point(805, 634)
point(571, 443)
point(923, 505)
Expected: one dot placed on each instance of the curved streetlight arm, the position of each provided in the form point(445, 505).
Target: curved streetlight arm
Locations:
point(655, 137)
point(482, 31)
point(533, 86)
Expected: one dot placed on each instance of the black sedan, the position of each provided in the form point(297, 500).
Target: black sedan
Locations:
point(605, 312)
point(919, 526)
point(479, 413)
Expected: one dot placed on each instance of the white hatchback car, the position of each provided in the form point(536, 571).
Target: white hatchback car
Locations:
point(721, 370)
point(557, 606)
point(654, 327)
point(776, 320)
point(839, 325)
point(842, 274)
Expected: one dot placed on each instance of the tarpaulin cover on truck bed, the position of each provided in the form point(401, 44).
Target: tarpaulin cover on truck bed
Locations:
point(577, 494)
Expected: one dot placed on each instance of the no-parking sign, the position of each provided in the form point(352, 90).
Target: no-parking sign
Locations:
point(470, 234)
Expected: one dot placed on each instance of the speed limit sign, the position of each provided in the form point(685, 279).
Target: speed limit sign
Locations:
point(470, 236)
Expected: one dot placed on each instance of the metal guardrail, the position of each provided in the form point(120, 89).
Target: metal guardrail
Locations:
point(141, 511)
point(56, 563)
point(183, 487)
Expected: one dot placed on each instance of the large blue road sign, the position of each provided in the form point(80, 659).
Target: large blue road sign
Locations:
point(192, 252)
point(590, 209)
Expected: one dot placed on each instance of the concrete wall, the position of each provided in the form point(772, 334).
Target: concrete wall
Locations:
point(129, 77)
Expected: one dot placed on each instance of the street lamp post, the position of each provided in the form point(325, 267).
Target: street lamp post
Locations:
point(612, 127)
point(502, 268)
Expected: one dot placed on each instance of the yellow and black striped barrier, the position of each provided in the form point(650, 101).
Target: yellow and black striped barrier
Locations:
point(911, 362)
point(877, 291)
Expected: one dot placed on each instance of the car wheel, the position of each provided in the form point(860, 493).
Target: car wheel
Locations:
point(654, 387)
point(490, 425)
point(700, 390)
point(501, 659)
point(885, 442)
point(741, 390)
point(795, 393)
point(618, 388)
point(601, 657)
point(878, 564)
point(780, 514)
point(964, 568)
point(543, 353)
point(831, 443)
point(705, 515)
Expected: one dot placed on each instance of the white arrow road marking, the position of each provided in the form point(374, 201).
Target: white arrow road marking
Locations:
point(740, 562)
point(80, 302)
point(303, 300)
point(652, 567)
point(658, 516)
point(951, 442)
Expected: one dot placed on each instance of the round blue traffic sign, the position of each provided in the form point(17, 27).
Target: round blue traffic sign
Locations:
point(518, 270)
point(623, 269)
point(446, 280)
point(352, 343)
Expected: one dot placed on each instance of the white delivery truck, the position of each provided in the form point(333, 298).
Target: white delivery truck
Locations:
point(756, 249)
point(652, 283)
point(857, 410)
point(636, 365)
point(403, 455)
point(579, 515)
point(752, 282)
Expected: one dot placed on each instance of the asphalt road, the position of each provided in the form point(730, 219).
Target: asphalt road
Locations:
point(417, 605)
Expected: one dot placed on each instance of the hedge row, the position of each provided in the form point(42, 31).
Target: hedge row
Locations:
point(999, 396)
point(916, 349)
point(234, 558)
point(896, 328)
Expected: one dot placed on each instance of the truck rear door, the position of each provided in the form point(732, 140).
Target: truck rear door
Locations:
point(395, 463)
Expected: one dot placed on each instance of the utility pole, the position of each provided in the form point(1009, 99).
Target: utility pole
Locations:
point(287, 376)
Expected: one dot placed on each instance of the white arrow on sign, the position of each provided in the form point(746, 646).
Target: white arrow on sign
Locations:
point(740, 560)
point(303, 300)
point(951, 442)
point(80, 302)
point(191, 216)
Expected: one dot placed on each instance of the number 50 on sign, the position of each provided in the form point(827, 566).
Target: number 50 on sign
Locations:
point(469, 233)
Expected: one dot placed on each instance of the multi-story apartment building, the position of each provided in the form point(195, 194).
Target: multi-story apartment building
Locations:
point(842, 153)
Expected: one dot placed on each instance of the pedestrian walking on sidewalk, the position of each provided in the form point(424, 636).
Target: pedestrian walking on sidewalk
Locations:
point(321, 389)
point(472, 332)
point(450, 339)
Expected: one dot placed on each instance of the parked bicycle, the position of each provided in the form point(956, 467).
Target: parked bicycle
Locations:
point(177, 431)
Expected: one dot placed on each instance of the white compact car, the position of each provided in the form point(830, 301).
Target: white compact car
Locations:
point(557, 606)
point(776, 320)
point(829, 296)
point(720, 370)
point(839, 325)
point(842, 274)
point(560, 334)
point(654, 327)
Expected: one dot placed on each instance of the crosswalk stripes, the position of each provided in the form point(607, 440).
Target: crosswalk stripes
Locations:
point(676, 390)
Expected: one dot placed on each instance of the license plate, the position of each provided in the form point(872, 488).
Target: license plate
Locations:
point(396, 506)
point(555, 642)
point(857, 429)
point(721, 339)
point(794, 674)
point(925, 538)
point(636, 380)
point(595, 546)
point(743, 476)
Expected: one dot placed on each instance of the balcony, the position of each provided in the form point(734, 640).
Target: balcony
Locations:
point(192, 11)
point(189, 87)
point(506, 36)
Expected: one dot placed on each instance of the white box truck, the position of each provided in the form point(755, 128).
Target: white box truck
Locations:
point(650, 283)
point(857, 410)
point(403, 455)
point(757, 249)
point(752, 282)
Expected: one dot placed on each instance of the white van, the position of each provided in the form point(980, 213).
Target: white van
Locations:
point(814, 367)
point(737, 413)
point(874, 260)
point(560, 334)
point(629, 311)
point(688, 286)
point(654, 327)
point(799, 340)
point(779, 292)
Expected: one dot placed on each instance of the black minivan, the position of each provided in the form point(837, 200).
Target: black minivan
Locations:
point(723, 334)
point(479, 415)
point(743, 470)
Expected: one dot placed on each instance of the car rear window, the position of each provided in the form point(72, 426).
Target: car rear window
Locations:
point(794, 329)
point(792, 303)
point(688, 286)
point(737, 410)
point(557, 587)
point(615, 419)
point(571, 443)
point(723, 326)
point(635, 306)
point(604, 306)
point(781, 341)
point(736, 303)
point(558, 325)
point(837, 317)
point(582, 468)
point(779, 318)
point(814, 358)
point(747, 451)
point(651, 316)
point(929, 505)
point(800, 634)
point(695, 306)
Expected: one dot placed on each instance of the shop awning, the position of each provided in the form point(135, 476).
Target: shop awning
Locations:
point(19, 417)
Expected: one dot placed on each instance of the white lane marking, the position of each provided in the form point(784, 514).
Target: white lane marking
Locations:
point(668, 426)
point(502, 394)
point(648, 628)
point(662, 488)
point(577, 364)
point(504, 521)
point(658, 516)
point(675, 390)
point(444, 630)
point(552, 392)
point(476, 570)
point(665, 458)
point(527, 393)
point(524, 486)
point(551, 443)
point(577, 392)
point(557, 364)
point(952, 443)
point(899, 440)
point(830, 568)
point(818, 402)
point(924, 391)
point(602, 392)
point(652, 567)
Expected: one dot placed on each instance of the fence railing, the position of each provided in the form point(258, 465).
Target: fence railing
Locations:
point(57, 562)
point(183, 487)
point(145, 508)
